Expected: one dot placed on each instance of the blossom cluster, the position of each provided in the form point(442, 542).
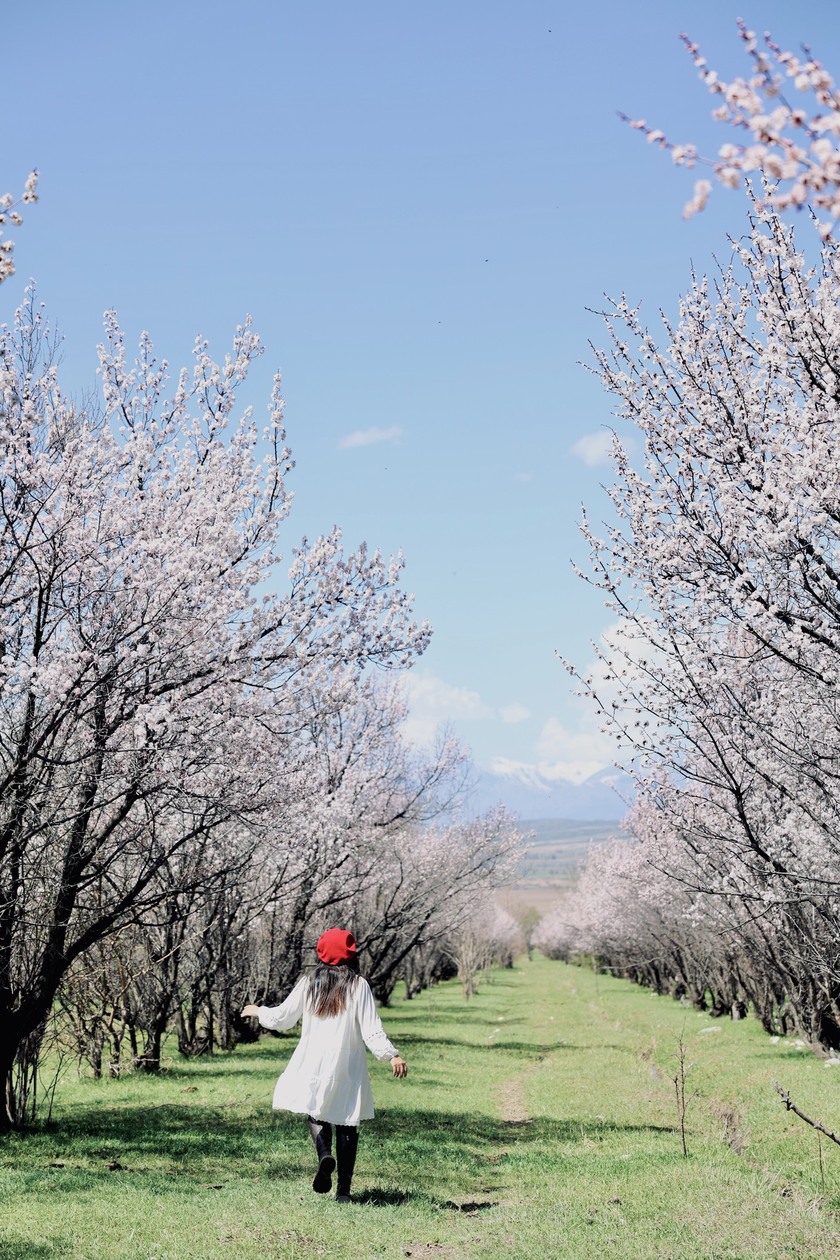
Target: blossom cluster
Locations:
point(793, 147)
point(10, 213)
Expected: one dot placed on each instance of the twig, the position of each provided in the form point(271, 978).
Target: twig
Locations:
point(679, 1087)
point(822, 1165)
point(815, 1124)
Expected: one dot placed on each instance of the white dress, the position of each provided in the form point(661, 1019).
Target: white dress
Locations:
point(327, 1076)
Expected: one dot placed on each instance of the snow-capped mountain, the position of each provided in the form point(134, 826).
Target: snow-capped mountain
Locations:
point(604, 795)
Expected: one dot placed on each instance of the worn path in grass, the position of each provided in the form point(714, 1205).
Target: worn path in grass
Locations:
point(538, 1120)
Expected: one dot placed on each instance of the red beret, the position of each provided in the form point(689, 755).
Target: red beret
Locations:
point(336, 946)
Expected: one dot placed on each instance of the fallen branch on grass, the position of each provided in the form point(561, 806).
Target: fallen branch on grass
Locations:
point(791, 1106)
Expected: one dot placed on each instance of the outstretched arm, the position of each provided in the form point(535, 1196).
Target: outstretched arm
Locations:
point(282, 1017)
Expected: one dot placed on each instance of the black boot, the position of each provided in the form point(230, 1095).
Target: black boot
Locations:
point(321, 1133)
point(346, 1144)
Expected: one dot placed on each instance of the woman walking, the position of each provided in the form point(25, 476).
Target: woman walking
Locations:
point(327, 1077)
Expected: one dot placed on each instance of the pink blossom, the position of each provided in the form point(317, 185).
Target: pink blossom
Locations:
point(813, 174)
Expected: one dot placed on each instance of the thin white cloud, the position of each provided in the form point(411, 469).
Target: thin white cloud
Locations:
point(541, 774)
point(523, 476)
point(568, 751)
point(369, 437)
point(514, 713)
point(545, 776)
point(573, 753)
point(432, 696)
point(431, 702)
point(572, 749)
point(565, 753)
point(594, 448)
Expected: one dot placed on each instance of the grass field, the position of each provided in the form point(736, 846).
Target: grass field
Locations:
point(538, 1120)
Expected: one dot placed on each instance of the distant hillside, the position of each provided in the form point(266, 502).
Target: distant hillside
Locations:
point(557, 846)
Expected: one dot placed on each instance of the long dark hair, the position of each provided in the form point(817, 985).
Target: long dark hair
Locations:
point(330, 987)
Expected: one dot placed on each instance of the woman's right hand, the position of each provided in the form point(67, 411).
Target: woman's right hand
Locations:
point(251, 1010)
point(399, 1066)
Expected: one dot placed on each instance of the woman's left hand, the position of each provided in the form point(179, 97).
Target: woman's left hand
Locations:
point(399, 1066)
point(251, 1010)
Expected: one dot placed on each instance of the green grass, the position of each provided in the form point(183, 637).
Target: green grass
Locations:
point(538, 1120)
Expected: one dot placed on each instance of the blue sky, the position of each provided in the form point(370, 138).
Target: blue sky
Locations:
point(417, 204)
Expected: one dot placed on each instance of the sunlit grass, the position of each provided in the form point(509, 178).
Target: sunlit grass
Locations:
point(538, 1120)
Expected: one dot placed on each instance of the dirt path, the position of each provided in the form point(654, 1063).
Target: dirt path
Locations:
point(510, 1096)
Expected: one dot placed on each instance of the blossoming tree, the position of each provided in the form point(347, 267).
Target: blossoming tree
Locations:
point(155, 653)
point(723, 562)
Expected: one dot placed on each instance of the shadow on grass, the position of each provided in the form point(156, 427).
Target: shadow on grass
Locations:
point(387, 1198)
point(447, 1016)
point(528, 1049)
point(173, 1143)
point(187, 1150)
point(256, 1070)
point(22, 1249)
point(403, 1198)
point(459, 1135)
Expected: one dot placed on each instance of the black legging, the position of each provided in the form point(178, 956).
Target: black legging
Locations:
point(346, 1145)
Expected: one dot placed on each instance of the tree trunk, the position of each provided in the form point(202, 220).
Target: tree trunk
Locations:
point(149, 1060)
point(19, 1061)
